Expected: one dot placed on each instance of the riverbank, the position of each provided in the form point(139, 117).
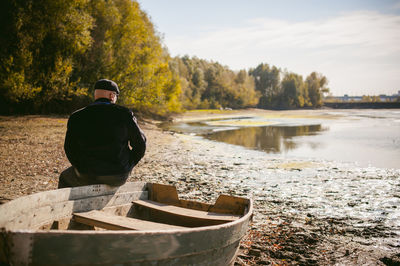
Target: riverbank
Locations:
point(286, 228)
point(362, 105)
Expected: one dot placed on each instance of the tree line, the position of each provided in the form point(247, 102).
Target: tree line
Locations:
point(208, 84)
point(53, 51)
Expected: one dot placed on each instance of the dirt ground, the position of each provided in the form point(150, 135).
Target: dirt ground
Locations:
point(32, 157)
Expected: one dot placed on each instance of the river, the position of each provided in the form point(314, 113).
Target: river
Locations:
point(340, 165)
point(367, 138)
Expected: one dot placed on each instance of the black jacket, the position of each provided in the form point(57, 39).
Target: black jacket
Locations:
point(99, 138)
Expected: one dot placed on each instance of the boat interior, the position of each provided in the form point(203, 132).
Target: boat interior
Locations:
point(160, 210)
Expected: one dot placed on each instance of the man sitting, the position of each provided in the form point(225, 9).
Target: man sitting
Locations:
point(103, 141)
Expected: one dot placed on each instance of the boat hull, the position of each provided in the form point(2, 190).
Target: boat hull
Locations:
point(23, 242)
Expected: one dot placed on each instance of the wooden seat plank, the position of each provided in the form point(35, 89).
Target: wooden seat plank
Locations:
point(115, 222)
point(183, 216)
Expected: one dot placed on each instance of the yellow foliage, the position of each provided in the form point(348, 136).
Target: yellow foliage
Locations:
point(18, 89)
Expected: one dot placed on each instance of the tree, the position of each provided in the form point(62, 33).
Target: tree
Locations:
point(39, 41)
point(55, 50)
point(293, 90)
point(127, 50)
point(246, 95)
point(366, 98)
point(208, 84)
point(316, 86)
point(267, 82)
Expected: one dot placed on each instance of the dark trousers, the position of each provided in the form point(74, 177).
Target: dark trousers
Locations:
point(70, 177)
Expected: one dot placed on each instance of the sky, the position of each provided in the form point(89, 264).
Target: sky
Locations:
point(354, 43)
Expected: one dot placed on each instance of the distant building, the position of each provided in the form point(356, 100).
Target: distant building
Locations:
point(387, 98)
point(381, 97)
point(347, 98)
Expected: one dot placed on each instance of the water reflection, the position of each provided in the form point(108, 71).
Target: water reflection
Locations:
point(272, 139)
point(365, 137)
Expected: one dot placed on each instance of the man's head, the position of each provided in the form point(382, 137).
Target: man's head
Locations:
point(105, 88)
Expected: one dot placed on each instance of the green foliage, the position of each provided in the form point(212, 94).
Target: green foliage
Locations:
point(294, 91)
point(370, 99)
point(127, 50)
point(210, 85)
point(290, 92)
point(37, 54)
point(267, 81)
point(55, 50)
point(316, 85)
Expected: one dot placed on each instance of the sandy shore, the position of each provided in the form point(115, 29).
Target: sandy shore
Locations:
point(284, 231)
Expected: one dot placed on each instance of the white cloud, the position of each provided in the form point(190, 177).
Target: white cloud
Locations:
point(396, 5)
point(359, 50)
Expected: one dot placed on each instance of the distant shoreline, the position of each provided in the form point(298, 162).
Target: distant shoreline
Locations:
point(362, 105)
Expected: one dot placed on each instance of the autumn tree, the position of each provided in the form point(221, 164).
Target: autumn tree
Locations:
point(127, 49)
point(39, 40)
point(191, 72)
point(244, 87)
point(316, 86)
point(290, 92)
point(53, 51)
point(293, 91)
point(267, 82)
point(208, 84)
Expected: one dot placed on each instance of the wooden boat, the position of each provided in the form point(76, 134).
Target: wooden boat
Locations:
point(136, 224)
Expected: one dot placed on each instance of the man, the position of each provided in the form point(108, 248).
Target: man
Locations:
point(103, 141)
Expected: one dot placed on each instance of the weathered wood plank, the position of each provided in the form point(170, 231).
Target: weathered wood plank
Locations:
point(179, 216)
point(193, 246)
point(213, 245)
point(166, 194)
point(230, 205)
point(15, 208)
point(35, 218)
point(115, 222)
point(195, 205)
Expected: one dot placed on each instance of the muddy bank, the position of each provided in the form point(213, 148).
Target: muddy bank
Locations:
point(288, 227)
point(292, 224)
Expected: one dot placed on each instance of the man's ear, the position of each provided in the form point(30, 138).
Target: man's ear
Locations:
point(113, 97)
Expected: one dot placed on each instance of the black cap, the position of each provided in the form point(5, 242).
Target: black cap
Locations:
point(108, 85)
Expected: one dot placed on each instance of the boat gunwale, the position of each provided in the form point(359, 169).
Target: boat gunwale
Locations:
point(242, 219)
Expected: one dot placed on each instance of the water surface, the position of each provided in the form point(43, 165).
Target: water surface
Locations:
point(364, 137)
point(307, 180)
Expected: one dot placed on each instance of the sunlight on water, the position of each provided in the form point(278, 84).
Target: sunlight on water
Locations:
point(365, 137)
point(271, 139)
point(292, 164)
